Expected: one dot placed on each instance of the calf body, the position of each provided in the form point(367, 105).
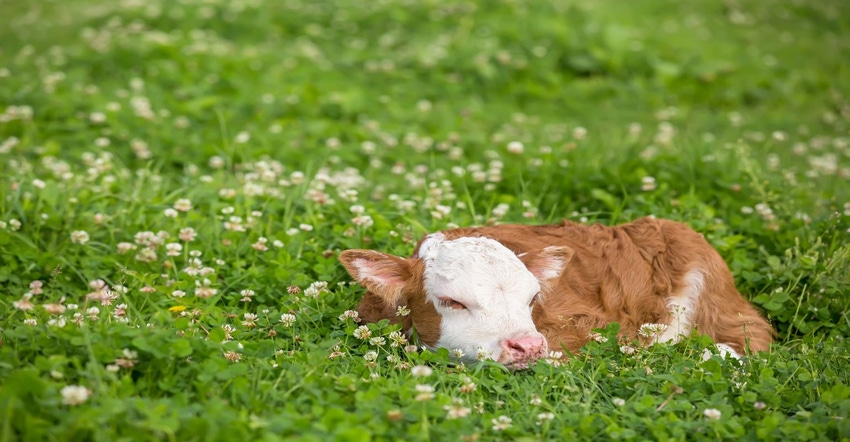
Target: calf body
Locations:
point(514, 291)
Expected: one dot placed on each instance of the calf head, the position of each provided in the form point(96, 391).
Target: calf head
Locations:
point(470, 293)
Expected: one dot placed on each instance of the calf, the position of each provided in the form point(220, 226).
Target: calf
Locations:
point(512, 292)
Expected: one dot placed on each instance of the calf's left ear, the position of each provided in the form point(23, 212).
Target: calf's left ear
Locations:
point(382, 274)
point(548, 263)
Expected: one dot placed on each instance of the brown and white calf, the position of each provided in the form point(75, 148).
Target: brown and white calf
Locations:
point(515, 291)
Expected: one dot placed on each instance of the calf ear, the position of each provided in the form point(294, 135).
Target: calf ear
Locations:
point(382, 274)
point(548, 263)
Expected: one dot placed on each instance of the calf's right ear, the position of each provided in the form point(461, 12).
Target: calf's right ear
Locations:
point(383, 275)
point(548, 263)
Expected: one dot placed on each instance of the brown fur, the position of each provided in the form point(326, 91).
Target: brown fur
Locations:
point(618, 274)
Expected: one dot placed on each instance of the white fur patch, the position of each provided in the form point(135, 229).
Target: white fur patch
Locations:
point(427, 250)
point(494, 285)
point(723, 350)
point(683, 306)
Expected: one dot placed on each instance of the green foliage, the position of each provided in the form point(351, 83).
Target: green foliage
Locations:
point(282, 132)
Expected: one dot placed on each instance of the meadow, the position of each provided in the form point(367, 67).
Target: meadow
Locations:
point(178, 177)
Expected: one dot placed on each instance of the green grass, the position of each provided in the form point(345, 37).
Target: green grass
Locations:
point(730, 116)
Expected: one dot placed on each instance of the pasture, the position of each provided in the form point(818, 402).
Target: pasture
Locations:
point(177, 179)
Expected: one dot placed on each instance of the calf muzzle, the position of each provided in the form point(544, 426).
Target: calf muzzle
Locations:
point(519, 352)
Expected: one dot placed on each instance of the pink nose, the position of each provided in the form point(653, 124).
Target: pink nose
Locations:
point(524, 349)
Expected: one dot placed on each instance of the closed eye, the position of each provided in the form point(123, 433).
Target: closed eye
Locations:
point(451, 303)
point(534, 300)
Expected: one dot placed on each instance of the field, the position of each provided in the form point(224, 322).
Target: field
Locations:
point(178, 177)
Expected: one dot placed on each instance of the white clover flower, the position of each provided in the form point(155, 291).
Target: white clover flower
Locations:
point(59, 322)
point(468, 386)
point(124, 247)
point(242, 137)
point(297, 177)
point(349, 314)
point(515, 147)
point(501, 423)
point(542, 417)
point(456, 411)
point(363, 221)
point(316, 288)
point(187, 234)
point(287, 319)
point(425, 392)
point(648, 183)
point(421, 371)
point(652, 330)
point(170, 213)
point(500, 210)
point(79, 237)
point(595, 336)
point(234, 223)
point(98, 285)
point(146, 255)
point(36, 287)
point(554, 358)
point(370, 355)
point(248, 320)
point(25, 302)
point(377, 341)
point(618, 401)
point(362, 332)
point(204, 290)
point(712, 413)
point(397, 339)
point(173, 249)
point(74, 394)
point(260, 245)
point(55, 308)
point(579, 133)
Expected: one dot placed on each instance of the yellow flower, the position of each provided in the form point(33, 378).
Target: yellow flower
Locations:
point(177, 308)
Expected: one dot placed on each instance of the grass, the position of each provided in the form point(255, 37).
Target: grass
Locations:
point(284, 132)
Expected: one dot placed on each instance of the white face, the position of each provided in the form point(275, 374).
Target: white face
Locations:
point(484, 294)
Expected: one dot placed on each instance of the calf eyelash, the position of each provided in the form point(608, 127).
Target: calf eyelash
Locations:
point(451, 303)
